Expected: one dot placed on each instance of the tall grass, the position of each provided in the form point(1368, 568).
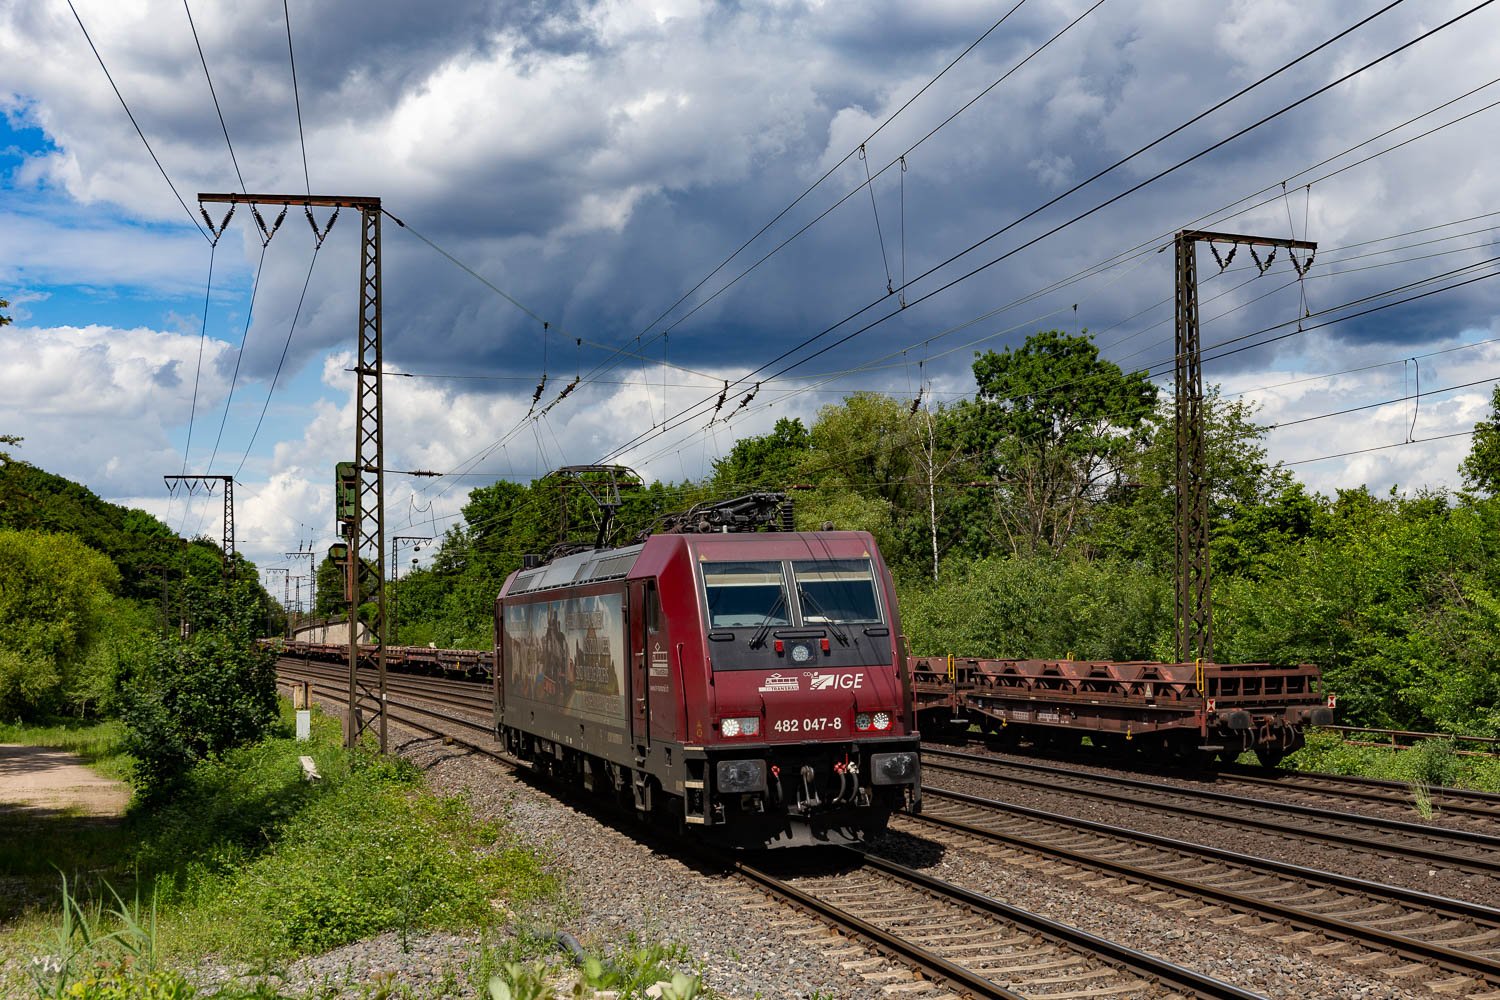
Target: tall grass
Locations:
point(1428, 764)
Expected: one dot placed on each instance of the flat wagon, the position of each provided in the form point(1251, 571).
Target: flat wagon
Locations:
point(1192, 712)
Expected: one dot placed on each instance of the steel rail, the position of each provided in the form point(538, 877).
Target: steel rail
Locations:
point(1449, 959)
point(1458, 800)
point(1148, 967)
point(1458, 908)
point(931, 965)
point(947, 973)
point(1443, 856)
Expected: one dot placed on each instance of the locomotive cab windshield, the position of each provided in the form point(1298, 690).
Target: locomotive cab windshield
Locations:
point(757, 611)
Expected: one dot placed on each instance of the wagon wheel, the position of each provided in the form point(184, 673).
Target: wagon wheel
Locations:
point(1269, 758)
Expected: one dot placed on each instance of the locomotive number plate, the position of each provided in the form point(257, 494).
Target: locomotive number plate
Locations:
point(810, 725)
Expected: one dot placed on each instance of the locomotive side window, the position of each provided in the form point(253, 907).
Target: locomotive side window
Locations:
point(653, 608)
point(746, 594)
point(836, 590)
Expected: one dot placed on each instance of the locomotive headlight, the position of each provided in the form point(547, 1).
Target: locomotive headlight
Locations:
point(893, 768)
point(881, 720)
point(745, 725)
point(741, 776)
point(862, 721)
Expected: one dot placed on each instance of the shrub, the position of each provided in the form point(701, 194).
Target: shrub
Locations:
point(197, 697)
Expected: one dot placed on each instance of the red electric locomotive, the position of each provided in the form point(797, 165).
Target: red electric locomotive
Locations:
point(750, 686)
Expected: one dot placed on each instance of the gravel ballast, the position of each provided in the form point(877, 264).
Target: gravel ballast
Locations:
point(620, 888)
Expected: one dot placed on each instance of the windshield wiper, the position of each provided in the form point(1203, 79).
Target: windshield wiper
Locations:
point(759, 638)
point(810, 601)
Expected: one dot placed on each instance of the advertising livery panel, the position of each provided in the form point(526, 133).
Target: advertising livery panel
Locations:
point(569, 654)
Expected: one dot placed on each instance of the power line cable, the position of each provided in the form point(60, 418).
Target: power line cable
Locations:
point(297, 97)
point(607, 364)
point(197, 371)
point(869, 180)
point(144, 141)
point(1408, 397)
point(240, 355)
point(1167, 364)
point(1363, 368)
point(1329, 160)
point(1382, 447)
point(214, 94)
point(829, 172)
point(742, 380)
point(282, 361)
point(1110, 201)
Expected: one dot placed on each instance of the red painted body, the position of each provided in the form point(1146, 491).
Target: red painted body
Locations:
point(653, 669)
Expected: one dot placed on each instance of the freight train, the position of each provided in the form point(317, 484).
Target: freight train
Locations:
point(1193, 713)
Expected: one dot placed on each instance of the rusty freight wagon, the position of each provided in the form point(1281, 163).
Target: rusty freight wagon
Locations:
point(1193, 712)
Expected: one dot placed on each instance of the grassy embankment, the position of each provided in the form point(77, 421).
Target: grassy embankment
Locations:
point(250, 864)
point(1428, 764)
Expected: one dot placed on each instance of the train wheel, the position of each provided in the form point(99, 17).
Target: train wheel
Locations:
point(1269, 758)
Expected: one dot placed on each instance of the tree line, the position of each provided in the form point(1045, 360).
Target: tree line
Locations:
point(1036, 519)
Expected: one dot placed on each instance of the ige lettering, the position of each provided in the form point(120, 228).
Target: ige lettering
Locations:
point(831, 682)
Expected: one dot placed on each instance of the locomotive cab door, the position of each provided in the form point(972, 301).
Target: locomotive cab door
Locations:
point(645, 621)
point(498, 667)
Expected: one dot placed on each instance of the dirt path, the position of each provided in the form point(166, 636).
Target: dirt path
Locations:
point(43, 779)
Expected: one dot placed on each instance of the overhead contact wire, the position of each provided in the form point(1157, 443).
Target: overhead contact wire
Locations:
point(1131, 190)
point(144, 141)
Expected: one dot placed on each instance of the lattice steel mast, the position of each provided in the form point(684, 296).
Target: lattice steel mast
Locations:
point(366, 531)
point(227, 552)
point(1195, 626)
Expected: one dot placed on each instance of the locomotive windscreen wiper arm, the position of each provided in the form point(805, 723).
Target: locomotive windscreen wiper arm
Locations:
point(759, 638)
point(838, 633)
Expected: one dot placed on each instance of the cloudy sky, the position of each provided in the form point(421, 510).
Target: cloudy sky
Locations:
point(594, 166)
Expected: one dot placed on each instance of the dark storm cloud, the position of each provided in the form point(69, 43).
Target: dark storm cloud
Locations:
point(596, 161)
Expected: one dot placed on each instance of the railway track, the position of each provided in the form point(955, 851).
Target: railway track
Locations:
point(1480, 807)
point(1384, 797)
point(1451, 946)
point(981, 946)
point(955, 942)
point(1464, 850)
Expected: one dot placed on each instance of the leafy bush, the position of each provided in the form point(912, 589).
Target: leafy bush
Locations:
point(197, 697)
point(281, 867)
point(1430, 763)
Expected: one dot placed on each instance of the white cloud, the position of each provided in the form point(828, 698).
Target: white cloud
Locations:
point(103, 405)
point(595, 162)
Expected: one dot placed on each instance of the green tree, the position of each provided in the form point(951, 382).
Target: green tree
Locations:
point(1481, 467)
point(1397, 599)
point(4, 319)
point(764, 462)
point(1041, 606)
point(62, 631)
point(1253, 505)
point(1052, 425)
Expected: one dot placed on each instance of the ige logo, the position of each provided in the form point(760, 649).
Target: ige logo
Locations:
point(829, 682)
point(776, 682)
